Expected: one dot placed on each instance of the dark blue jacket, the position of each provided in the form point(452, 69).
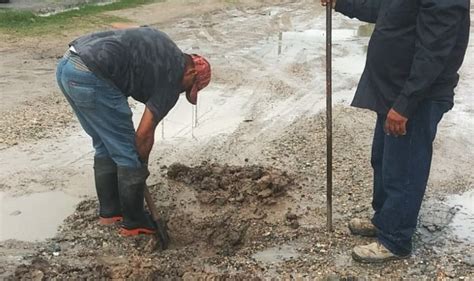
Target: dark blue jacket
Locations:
point(414, 53)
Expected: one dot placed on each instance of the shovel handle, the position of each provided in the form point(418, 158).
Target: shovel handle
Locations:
point(162, 229)
point(151, 205)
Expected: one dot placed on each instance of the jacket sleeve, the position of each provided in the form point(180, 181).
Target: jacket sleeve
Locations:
point(364, 10)
point(437, 30)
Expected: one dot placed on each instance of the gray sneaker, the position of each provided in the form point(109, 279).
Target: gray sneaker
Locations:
point(374, 253)
point(362, 227)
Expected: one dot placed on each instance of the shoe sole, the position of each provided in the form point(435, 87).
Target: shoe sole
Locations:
point(110, 221)
point(137, 231)
point(375, 260)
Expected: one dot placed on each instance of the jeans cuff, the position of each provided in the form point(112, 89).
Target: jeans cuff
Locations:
point(391, 246)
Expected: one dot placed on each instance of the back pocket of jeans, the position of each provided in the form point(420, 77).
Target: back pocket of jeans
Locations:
point(82, 95)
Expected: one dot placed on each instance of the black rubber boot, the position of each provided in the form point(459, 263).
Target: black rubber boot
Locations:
point(131, 187)
point(105, 173)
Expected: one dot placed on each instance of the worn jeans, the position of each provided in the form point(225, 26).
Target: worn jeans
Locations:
point(401, 168)
point(103, 112)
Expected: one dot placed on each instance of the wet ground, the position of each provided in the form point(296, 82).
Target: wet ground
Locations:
point(241, 176)
point(19, 215)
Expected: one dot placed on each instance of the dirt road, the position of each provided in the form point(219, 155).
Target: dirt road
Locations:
point(247, 198)
point(48, 6)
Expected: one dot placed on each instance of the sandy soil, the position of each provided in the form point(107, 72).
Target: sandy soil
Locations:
point(241, 177)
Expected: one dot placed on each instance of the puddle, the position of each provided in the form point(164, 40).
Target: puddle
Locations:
point(310, 36)
point(287, 41)
point(462, 224)
point(217, 112)
point(276, 254)
point(34, 217)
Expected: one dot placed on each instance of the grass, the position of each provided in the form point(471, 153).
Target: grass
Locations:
point(88, 15)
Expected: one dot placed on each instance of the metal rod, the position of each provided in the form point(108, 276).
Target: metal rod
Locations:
point(280, 42)
point(329, 113)
point(195, 115)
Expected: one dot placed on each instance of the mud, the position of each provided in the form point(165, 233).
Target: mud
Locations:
point(225, 225)
point(222, 184)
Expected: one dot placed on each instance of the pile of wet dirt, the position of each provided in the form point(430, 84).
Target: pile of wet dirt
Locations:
point(224, 184)
point(231, 201)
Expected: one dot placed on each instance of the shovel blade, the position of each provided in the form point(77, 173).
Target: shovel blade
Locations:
point(162, 234)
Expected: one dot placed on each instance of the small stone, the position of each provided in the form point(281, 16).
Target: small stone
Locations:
point(37, 275)
point(265, 193)
point(295, 224)
point(56, 247)
point(430, 268)
point(291, 216)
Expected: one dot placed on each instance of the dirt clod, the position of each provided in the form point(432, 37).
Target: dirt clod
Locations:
point(231, 184)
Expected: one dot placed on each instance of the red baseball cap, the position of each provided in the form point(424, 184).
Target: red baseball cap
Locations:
point(203, 77)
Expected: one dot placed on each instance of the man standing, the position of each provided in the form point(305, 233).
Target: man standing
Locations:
point(97, 75)
point(413, 58)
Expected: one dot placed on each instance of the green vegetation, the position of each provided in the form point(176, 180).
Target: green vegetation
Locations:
point(89, 15)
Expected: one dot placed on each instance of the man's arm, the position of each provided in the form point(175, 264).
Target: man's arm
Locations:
point(437, 28)
point(145, 135)
point(364, 10)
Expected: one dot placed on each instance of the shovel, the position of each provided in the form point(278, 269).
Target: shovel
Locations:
point(161, 235)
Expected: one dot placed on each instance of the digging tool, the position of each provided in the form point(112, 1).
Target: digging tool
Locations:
point(161, 234)
point(329, 5)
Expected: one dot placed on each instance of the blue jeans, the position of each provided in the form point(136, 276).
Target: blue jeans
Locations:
point(103, 112)
point(401, 168)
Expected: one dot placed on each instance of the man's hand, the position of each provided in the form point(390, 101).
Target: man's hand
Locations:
point(396, 124)
point(325, 2)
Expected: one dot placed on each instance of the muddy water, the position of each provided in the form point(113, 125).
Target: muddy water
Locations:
point(303, 49)
point(277, 254)
point(462, 224)
point(34, 217)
